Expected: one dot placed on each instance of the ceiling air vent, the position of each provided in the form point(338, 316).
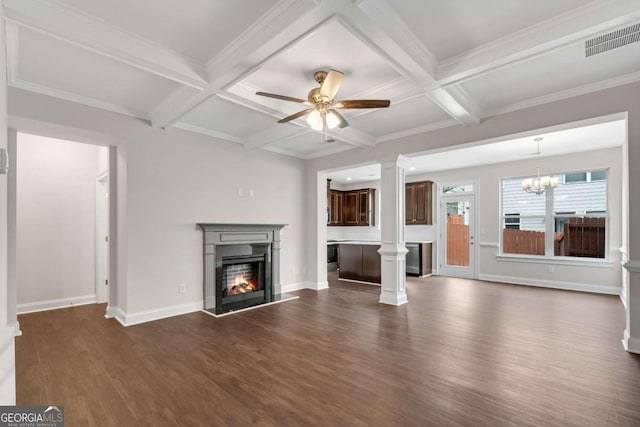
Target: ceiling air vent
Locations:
point(612, 40)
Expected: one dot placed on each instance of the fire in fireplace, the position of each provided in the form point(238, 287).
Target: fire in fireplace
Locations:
point(240, 279)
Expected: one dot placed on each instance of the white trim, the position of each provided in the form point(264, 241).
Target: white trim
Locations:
point(493, 245)
point(130, 319)
point(110, 313)
point(623, 298)
point(570, 286)
point(417, 130)
point(632, 266)
point(17, 330)
point(119, 315)
point(541, 259)
point(632, 345)
point(54, 304)
point(292, 287)
point(318, 286)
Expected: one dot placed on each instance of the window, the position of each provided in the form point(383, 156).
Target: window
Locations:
point(467, 188)
point(567, 221)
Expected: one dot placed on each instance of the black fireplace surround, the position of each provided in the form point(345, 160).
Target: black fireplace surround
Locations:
point(243, 276)
point(241, 266)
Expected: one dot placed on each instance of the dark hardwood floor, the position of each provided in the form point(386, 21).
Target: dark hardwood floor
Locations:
point(461, 352)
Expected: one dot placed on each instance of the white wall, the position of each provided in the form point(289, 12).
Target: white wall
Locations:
point(167, 181)
point(177, 179)
point(55, 222)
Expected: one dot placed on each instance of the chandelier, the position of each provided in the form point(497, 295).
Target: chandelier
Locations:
point(541, 183)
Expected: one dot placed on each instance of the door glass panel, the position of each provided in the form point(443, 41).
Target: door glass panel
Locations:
point(458, 233)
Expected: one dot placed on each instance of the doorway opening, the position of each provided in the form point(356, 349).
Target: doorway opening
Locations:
point(62, 206)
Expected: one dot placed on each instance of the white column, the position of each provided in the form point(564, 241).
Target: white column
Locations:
point(392, 218)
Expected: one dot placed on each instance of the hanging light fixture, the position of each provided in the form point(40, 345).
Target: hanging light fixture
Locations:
point(541, 183)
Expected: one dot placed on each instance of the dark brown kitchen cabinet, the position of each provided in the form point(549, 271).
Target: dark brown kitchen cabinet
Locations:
point(359, 262)
point(353, 207)
point(335, 207)
point(418, 203)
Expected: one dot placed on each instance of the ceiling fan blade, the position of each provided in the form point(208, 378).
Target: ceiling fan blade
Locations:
point(295, 116)
point(282, 97)
point(343, 123)
point(363, 103)
point(331, 84)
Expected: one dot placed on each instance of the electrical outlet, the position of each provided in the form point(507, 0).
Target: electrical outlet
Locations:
point(182, 288)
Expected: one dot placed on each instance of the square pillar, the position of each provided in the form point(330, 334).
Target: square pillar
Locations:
point(392, 218)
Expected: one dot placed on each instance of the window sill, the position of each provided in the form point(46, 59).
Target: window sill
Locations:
point(539, 259)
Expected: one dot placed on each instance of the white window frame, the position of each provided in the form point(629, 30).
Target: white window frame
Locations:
point(549, 227)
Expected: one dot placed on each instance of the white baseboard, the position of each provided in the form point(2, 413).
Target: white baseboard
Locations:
point(315, 286)
point(632, 345)
point(16, 328)
point(570, 286)
point(292, 287)
point(318, 286)
point(32, 307)
point(623, 298)
point(130, 319)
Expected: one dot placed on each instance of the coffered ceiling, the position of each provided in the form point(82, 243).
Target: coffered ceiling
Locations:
point(196, 64)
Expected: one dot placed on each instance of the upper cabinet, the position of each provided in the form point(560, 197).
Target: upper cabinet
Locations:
point(354, 207)
point(336, 216)
point(418, 203)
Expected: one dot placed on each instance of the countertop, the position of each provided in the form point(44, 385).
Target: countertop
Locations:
point(365, 242)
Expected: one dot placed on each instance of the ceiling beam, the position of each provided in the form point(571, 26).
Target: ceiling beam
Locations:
point(574, 26)
point(70, 25)
point(287, 22)
point(379, 26)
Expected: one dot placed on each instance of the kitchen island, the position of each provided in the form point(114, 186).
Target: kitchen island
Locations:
point(359, 260)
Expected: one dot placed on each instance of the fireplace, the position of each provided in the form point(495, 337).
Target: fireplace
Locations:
point(243, 276)
point(241, 266)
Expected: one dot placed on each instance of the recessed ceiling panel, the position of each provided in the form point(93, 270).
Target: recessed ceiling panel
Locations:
point(559, 70)
point(196, 28)
point(330, 47)
point(416, 112)
point(310, 144)
point(451, 27)
point(57, 65)
point(228, 117)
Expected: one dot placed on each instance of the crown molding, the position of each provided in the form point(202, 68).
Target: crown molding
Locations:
point(632, 266)
point(65, 23)
point(570, 27)
point(13, 51)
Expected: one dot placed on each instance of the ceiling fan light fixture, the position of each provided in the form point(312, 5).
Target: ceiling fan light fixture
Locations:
point(332, 120)
point(315, 120)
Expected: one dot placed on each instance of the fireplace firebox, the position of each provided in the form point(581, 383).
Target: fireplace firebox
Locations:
point(243, 276)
